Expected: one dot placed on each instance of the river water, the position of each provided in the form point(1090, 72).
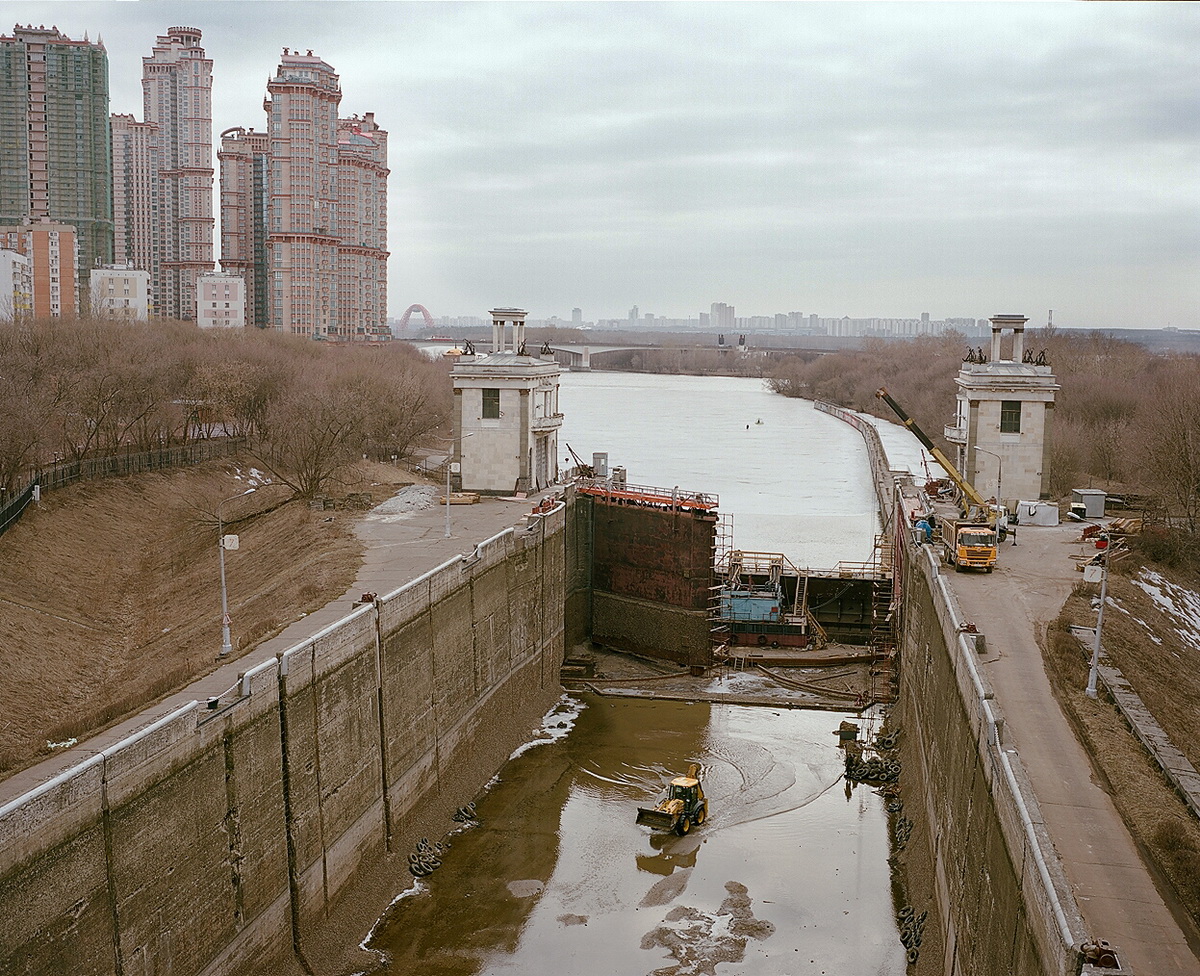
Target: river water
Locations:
point(789, 874)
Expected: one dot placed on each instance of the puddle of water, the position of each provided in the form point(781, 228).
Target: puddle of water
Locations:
point(789, 874)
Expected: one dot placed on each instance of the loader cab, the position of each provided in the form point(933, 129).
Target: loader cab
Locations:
point(685, 788)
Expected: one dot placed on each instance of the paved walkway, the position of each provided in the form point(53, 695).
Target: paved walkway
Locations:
point(399, 548)
point(1112, 886)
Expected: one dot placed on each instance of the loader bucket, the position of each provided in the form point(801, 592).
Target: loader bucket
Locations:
point(656, 819)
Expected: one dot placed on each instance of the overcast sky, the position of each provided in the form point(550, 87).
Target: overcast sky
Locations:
point(838, 158)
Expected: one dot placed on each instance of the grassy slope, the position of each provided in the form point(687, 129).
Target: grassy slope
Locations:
point(109, 592)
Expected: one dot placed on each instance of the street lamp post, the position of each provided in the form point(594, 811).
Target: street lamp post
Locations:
point(449, 465)
point(226, 644)
point(999, 474)
point(1094, 670)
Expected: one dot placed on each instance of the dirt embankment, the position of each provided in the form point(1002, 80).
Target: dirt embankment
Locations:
point(110, 590)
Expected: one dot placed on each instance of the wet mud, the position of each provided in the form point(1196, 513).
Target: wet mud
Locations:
point(788, 874)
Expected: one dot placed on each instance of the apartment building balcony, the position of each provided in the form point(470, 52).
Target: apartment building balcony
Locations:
point(548, 423)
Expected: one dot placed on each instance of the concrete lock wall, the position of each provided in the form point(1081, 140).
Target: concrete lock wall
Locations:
point(1004, 903)
point(219, 837)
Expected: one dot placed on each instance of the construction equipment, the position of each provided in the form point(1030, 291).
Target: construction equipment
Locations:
point(968, 539)
point(683, 807)
point(583, 469)
point(960, 482)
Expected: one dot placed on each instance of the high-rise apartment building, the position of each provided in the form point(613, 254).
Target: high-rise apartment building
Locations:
point(721, 316)
point(245, 157)
point(53, 253)
point(55, 155)
point(136, 221)
point(362, 229)
point(177, 97)
point(304, 209)
point(302, 104)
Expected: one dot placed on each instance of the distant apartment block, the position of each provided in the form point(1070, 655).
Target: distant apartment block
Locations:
point(245, 158)
point(304, 209)
point(177, 97)
point(54, 140)
point(220, 301)
point(137, 221)
point(362, 229)
point(121, 291)
point(16, 285)
point(53, 254)
point(720, 316)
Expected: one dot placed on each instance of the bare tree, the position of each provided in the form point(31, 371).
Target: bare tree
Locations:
point(311, 432)
point(1171, 438)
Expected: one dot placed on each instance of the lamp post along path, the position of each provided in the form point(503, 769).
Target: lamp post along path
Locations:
point(451, 464)
point(1111, 554)
point(225, 542)
point(999, 474)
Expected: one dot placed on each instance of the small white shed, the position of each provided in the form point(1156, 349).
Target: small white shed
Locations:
point(1037, 513)
point(1088, 502)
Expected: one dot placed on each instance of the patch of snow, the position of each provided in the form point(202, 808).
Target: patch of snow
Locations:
point(557, 724)
point(1137, 620)
point(418, 887)
point(1179, 603)
point(406, 503)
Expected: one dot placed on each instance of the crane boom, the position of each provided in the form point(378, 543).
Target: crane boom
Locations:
point(963, 485)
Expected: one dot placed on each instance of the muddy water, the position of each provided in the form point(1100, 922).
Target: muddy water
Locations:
point(788, 875)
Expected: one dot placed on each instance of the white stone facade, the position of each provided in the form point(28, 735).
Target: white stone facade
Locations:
point(1004, 409)
point(508, 418)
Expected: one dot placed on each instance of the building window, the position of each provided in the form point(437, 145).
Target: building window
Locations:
point(1010, 416)
point(491, 404)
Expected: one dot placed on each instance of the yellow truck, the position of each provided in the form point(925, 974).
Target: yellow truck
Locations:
point(683, 807)
point(969, 544)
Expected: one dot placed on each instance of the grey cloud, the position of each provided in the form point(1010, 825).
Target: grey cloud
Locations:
point(770, 154)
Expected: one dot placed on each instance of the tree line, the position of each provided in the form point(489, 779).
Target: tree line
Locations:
point(1125, 418)
point(89, 387)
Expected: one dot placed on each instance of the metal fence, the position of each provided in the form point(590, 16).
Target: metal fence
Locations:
point(12, 510)
point(63, 473)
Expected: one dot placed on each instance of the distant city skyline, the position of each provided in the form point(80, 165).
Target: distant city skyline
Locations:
point(724, 318)
point(859, 158)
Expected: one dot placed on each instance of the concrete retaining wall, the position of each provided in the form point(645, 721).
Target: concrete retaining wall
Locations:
point(1004, 903)
point(221, 837)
